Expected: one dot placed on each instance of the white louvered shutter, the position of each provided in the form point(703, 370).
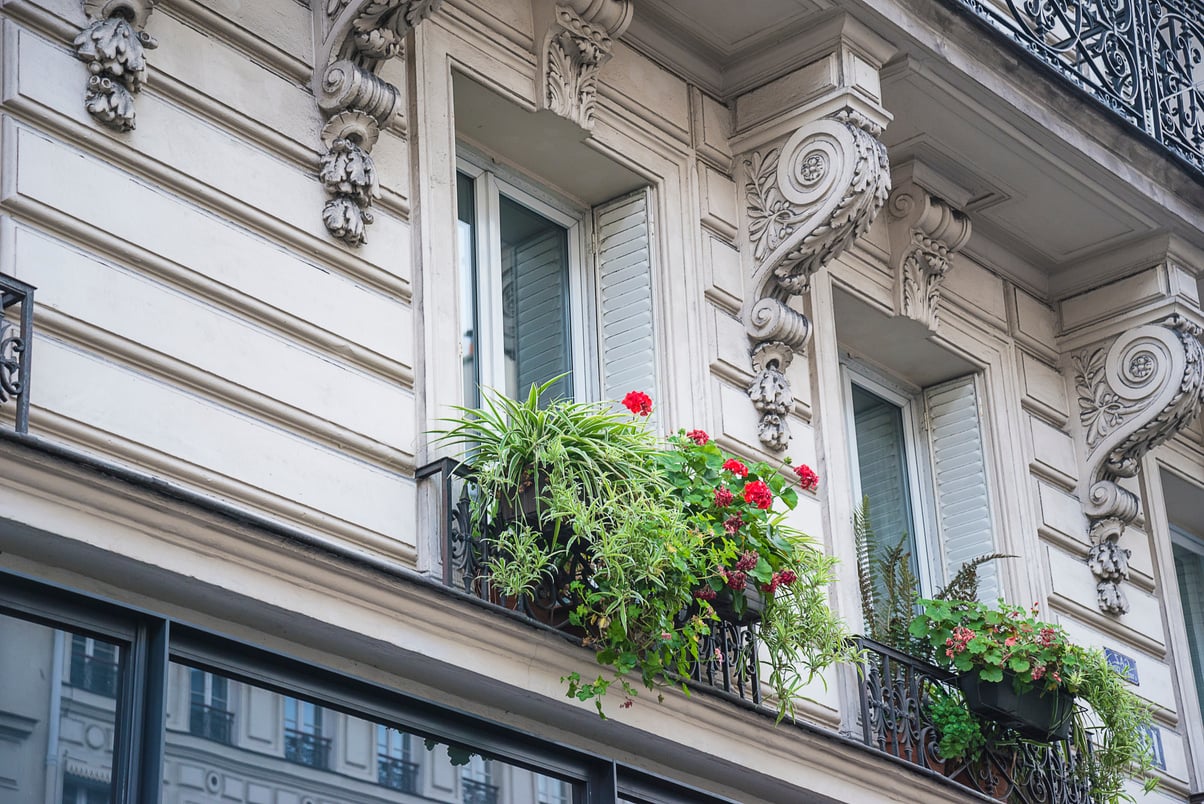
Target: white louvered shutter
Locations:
point(540, 313)
point(960, 480)
point(627, 333)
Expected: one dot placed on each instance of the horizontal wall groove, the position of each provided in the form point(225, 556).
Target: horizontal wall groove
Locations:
point(239, 38)
point(741, 379)
point(89, 239)
point(114, 348)
point(211, 199)
point(47, 423)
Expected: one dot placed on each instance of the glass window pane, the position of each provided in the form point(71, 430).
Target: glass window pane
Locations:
point(264, 746)
point(882, 468)
point(58, 702)
point(466, 237)
point(1189, 571)
point(535, 293)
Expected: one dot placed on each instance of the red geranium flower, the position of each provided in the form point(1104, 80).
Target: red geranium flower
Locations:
point(735, 467)
point(758, 494)
point(638, 403)
point(807, 479)
point(699, 437)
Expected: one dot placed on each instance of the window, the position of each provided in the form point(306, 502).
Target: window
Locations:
point(477, 782)
point(553, 791)
point(919, 458)
point(1188, 552)
point(94, 665)
point(209, 714)
point(395, 766)
point(303, 740)
point(547, 290)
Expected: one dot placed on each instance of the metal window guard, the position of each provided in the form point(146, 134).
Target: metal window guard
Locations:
point(894, 691)
point(479, 792)
point(210, 723)
point(94, 675)
point(729, 654)
point(397, 774)
point(307, 749)
point(1139, 58)
point(16, 343)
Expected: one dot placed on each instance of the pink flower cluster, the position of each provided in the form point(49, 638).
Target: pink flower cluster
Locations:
point(733, 524)
point(957, 643)
point(723, 497)
point(736, 580)
point(699, 437)
point(783, 578)
point(748, 561)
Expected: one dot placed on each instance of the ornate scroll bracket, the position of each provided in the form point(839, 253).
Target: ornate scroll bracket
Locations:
point(1133, 395)
point(16, 341)
point(578, 43)
point(358, 104)
point(114, 45)
point(807, 201)
point(925, 232)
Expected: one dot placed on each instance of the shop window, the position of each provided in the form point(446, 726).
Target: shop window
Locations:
point(920, 460)
point(550, 290)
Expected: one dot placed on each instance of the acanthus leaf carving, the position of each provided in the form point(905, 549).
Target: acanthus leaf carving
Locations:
point(114, 46)
point(806, 202)
point(925, 232)
point(1133, 395)
point(11, 347)
point(358, 103)
point(579, 43)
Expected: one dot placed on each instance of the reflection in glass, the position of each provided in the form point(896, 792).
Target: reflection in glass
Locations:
point(58, 702)
point(282, 748)
point(466, 245)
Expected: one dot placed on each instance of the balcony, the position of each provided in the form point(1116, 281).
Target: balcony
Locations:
point(397, 774)
point(479, 792)
point(16, 340)
point(94, 675)
point(210, 723)
point(307, 749)
point(1140, 58)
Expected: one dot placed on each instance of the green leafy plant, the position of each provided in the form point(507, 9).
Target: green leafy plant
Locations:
point(661, 533)
point(959, 732)
point(1006, 642)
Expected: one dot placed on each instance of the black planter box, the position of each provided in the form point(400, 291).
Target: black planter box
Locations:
point(1037, 714)
point(754, 606)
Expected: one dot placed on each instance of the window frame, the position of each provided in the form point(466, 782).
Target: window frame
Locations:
point(493, 180)
point(926, 541)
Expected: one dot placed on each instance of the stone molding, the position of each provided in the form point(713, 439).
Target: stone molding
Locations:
point(807, 200)
point(579, 41)
point(357, 103)
point(1134, 394)
point(114, 45)
point(925, 231)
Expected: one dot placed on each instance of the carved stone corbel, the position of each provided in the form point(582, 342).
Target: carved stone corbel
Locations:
point(114, 45)
point(807, 201)
point(579, 41)
point(1133, 395)
point(358, 104)
point(925, 232)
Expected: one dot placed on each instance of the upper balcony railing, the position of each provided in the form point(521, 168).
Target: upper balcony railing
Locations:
point(211, 722)
point(1143, 59)
point(16, 340)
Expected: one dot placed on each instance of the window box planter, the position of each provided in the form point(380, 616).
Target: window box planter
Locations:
point(754, 606)
point(1036, 714)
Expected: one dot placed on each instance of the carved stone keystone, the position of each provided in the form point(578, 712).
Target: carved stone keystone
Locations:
point(925, 231)
point(1134, 394)
point(114, 45)
point(578, 43)
point(358, 104)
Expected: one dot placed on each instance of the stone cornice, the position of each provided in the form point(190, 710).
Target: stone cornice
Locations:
point(359, 36)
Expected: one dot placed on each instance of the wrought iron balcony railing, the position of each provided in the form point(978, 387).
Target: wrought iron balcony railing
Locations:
point(479, 792)
point(896, 691)
point(16, 341)
point(1143, 59)
point(397, 774)
point(94, 675)
point(729, 654)
point(211, 723)
point(307, 749)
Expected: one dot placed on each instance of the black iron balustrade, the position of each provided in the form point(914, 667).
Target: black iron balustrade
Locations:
point(727, 657)
point(1142, 59)
point(94, 674)
point(397, 774)
point(896, 690)
point(210, 722)
point(307, 749)
point(479, 792)
point(16, 342)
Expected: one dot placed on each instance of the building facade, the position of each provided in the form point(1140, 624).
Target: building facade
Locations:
point(947, 253)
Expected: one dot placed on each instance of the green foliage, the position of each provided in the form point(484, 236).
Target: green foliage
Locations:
point(659, 541)
point(889, 589)
point(958, 730)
